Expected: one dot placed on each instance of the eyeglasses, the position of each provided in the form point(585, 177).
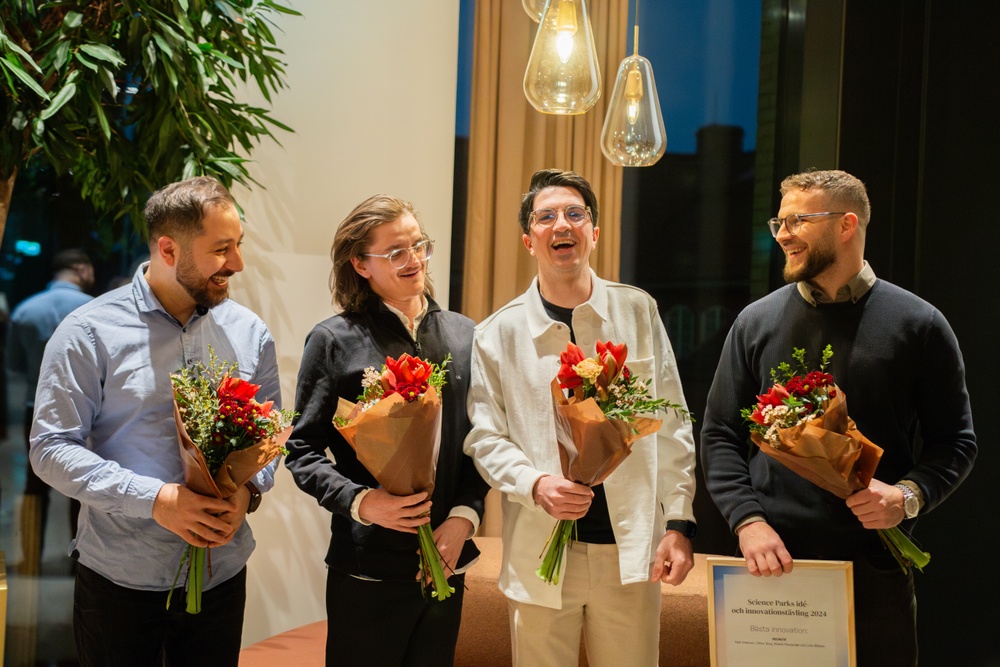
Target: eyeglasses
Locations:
point(574, 215)
point(401, 257)
point(793, 221)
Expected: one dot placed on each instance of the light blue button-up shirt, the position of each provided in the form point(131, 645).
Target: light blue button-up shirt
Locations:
point(104, 429)
point(32, 324)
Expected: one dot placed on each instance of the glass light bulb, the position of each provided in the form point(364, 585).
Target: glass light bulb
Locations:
point(633, 134)
point(562, 76)
point(534, 8)
point(633, 93)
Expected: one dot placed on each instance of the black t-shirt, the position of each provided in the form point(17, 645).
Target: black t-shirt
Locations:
point(595, 526)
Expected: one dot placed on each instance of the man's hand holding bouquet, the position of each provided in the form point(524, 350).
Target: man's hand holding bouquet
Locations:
point(395, 430)
point(596, 427)
point(802, 422)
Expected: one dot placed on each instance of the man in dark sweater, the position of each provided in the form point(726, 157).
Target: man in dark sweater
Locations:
point(899, 365)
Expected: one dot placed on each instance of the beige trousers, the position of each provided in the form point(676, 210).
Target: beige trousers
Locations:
point(620, 624)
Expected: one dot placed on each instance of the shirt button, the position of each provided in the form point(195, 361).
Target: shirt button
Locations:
point(621, 517)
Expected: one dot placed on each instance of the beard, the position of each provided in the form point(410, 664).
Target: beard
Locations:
point(818, 260)
point(202, 290)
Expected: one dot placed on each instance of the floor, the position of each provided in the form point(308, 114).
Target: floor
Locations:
point(39, 607)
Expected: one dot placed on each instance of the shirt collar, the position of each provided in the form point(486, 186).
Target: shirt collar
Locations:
point(406, 320)
point(855, 288)
point(65, 284)
point(539, 321)
point(146, 300)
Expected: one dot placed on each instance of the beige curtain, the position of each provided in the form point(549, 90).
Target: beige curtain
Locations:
point(509, 141)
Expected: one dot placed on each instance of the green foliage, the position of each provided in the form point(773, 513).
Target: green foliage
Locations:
point(129, 95)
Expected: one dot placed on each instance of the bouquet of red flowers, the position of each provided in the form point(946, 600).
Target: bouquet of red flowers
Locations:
point(802, 422)
point(395, 430)
point(596, 427)
point(225, 437)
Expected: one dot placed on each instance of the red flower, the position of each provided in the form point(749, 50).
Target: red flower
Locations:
point(568, 379)
point(407, 376)
point(410, 391)
point(237, 389)
point(612, 358)
point(776, 395)
point(408, 371)
point(756, 415)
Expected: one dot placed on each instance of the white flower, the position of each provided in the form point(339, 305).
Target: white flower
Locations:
point(370, 378)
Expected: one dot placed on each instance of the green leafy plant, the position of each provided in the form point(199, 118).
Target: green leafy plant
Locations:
point(125, 96)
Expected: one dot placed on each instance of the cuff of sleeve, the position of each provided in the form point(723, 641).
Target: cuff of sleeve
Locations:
point(140, 496)
point(356, 505)
point(916, 491)
point(465, 512)
point(525, 487)
point(753, 518)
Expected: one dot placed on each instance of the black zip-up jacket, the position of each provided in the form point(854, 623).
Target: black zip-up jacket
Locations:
point(336, 353)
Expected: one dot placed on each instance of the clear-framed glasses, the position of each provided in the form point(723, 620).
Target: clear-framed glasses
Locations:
point(793, 221)
point(574, 215)
point(401, 257)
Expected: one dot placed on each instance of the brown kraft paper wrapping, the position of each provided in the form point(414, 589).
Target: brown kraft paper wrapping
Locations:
point(396, 441)
point(829, 451)
point(238, 468)
point(591, 446)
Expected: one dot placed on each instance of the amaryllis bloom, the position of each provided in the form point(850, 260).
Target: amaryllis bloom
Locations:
point(237, 389)
point(776, 395)
point(612, 357)
point(406, 370)
point(567, 376)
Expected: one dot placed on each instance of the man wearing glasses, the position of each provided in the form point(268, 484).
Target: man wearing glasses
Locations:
point(898, 363)
point(634, 530)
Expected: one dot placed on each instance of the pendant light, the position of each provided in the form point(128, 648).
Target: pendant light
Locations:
point(562, 76)
point(535, 8)
point(633, 133)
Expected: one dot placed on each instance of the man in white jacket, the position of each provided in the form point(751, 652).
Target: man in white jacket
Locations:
point(634, 530)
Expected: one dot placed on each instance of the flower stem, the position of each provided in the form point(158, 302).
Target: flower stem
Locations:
point(430, 564)
point(555, 549)
point(196, 579)
point(903, 549)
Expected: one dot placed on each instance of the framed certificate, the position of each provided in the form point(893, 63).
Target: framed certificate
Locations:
point(805, 617)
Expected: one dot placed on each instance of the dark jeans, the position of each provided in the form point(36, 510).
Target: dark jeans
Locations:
point(390, 624)
point(122, 627)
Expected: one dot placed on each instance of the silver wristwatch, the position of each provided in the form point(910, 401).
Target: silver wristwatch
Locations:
point(911, 504)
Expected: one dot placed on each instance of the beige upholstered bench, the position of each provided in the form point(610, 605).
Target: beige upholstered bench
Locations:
point(484, 640)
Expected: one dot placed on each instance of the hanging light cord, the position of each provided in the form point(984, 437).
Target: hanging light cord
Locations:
point(635, 39)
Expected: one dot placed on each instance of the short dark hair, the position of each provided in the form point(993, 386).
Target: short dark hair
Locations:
point(840, 187)
point(70, 259)
point(353, 239)
point(177, 210)
point(547, 178)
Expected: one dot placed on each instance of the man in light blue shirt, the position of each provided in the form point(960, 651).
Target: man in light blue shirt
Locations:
point(31, 325)
point(104, 433)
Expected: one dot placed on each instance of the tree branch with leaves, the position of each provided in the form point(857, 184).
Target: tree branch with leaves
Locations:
point(125, 96)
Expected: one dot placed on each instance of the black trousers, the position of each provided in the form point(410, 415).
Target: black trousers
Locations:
point(390, 624)
point(122, 627)
point(885, 615)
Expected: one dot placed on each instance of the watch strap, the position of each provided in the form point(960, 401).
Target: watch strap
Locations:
point(686, 528)
point(255, 497)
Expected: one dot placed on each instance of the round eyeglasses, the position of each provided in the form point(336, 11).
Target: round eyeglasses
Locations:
point(401, 257)
point(574, 215)
point(793, 221)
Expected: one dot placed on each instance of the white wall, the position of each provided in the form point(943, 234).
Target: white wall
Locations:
point(371, 96)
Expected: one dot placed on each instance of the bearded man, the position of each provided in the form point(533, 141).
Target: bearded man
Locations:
point(899, 364)
point(104, 434)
